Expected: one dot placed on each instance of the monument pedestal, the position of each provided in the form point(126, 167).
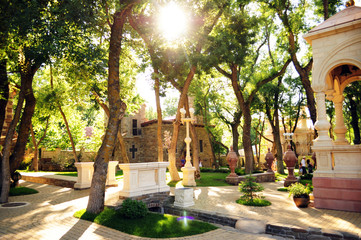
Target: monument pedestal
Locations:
point(85, 174)
point(183, 197)
point(188, 176)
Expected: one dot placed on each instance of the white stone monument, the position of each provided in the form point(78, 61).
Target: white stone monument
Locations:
point(188, 170)
point(143, 178)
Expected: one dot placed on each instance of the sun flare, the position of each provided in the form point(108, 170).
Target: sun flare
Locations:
point(172, 22)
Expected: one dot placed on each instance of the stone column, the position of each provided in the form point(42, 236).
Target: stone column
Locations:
point(111, 180)
point(322, 125)
point(85, 174)
point(323, 144)
point(340, 128)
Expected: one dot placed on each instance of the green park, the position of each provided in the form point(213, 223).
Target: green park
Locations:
point(173, 119)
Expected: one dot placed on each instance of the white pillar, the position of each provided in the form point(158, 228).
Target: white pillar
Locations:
point(322, 125)
point(85, 174)
point(111, 181)
point(340, 128)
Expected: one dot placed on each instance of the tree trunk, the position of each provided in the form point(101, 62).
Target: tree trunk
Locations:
point(235, 136)
point(123, 148)
point(121, 143)
point(69, 133)
point(247, 142)
point(159, 117)
point(4, 92)
point(5, 163)
point(24, 128)
point(64, 118)
point(116, 107)
point(35, 163)
point(279, 154)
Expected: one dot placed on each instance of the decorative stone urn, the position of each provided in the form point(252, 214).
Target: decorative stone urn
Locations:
point(302, 202)
point(269, 159)
point(232, 162)
point(290, 159)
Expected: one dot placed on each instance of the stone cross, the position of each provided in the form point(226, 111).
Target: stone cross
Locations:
point(133, 150)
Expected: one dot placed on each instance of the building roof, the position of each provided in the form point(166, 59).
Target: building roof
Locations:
point(344, 20)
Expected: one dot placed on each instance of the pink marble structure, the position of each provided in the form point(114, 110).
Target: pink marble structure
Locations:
point(336, 45)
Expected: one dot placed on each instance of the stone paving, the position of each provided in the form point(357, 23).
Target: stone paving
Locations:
point(49, 214)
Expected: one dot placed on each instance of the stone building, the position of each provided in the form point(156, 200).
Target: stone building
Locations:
point(302, 137)
point(140, 137)
point(8, 119)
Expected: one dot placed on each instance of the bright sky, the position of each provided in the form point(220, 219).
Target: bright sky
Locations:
point(145, 89)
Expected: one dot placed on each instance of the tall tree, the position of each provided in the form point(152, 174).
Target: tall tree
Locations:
point(232, 48)
point(39, 29)
point(179, 65)
point(294, 19)
point(352, 102)
point(116, 106)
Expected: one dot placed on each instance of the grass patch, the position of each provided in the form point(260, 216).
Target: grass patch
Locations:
point(280, 177)
point(70, 174)
point(282, 189)
point(173, 183)
point(209, 179)
point(157, 225)
point(118, 174)
point(257, 202)
point(17, 191)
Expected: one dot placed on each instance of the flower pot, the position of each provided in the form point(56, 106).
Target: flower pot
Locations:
point(302, 201)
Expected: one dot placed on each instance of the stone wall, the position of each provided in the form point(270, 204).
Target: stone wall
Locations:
point(8, 119)
point(62, 160)
point(147, 148)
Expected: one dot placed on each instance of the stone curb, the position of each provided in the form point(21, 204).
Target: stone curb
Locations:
point(277, 230)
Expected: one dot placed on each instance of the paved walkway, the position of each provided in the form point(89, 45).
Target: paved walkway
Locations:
point(49, 214)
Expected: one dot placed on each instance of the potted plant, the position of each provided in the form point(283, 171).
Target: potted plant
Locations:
point(300, 193)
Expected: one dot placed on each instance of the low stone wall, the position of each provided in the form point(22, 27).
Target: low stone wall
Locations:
point(50, 181)
point(205, 216)
point(260, 177)
point(308, 234)
point(152, 200)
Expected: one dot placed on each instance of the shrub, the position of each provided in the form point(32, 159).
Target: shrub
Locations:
point(307, 176)
point(249, 188)
point(299, 190)
point(133, 209)
point(240, 171)
point(219, 170)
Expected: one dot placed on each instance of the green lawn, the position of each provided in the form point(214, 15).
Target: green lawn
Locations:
point(157, 225)
point(118, 175)
point(208, 179)
point(212, 180)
